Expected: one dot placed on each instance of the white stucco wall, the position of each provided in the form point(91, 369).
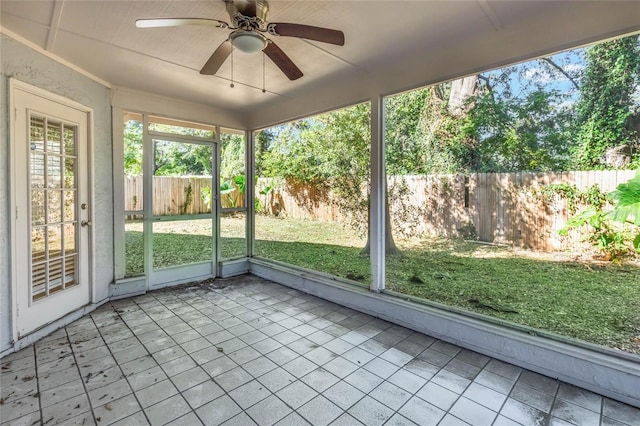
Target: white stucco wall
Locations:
point(25, 64)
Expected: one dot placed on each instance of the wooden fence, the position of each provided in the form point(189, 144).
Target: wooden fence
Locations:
point(177, 195)
point(495, 207)
point(492, 207)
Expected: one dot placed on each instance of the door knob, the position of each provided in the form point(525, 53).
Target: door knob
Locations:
point(85, 223)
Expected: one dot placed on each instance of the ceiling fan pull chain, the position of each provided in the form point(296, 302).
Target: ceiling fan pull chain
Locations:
point(232, 85)
point(263, 89)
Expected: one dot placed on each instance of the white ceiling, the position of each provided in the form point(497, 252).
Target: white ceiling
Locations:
point(390, 46)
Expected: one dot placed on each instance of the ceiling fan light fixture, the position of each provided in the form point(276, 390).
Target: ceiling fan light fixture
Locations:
point(248, 41)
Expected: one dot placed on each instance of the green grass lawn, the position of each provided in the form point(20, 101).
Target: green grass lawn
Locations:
point(598, 303)
point(592, 303)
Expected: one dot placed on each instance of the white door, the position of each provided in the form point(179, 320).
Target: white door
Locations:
point(50, 183)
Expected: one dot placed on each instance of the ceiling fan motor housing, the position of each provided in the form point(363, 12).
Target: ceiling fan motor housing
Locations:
point(246, 14)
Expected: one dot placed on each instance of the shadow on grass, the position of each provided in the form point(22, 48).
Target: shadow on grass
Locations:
point(596, 305)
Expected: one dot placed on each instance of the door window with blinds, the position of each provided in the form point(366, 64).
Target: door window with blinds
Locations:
point(53, 190)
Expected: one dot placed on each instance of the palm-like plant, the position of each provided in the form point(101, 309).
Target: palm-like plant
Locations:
point(627, 205)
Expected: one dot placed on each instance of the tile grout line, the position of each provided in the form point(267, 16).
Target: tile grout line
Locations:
point(133, 392)
point(35, 366)
point(555, 399)
point(601, 410)
point(459, 395)
point(294, 410)
point(159, 301)
point(77, 364)
point(415, 394)
point(368, 394)
point(508, 395)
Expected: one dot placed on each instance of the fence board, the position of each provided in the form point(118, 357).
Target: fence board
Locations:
point(499, 207)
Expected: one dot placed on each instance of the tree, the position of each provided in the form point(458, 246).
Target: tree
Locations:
point(523, 134)
point(133, 148)
point(348, 131)
point(170, 158)
point(404, 134)
point(179, 159)
point(479, 123)
point(231, 155)
point(331, 152)
point(450, 145)
point(607, 115)
point(263, 141)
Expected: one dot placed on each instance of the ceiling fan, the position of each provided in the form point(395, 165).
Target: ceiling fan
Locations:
point(249, 25)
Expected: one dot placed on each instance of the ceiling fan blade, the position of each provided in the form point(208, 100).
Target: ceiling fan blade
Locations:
point(217, 59)
point(177, 22)
point(325, 35)
point(282, 61)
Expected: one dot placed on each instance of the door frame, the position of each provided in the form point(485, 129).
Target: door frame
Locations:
point(178, 274)
point(15, 86)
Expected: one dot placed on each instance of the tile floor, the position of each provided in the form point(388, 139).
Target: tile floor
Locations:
point(246, 351)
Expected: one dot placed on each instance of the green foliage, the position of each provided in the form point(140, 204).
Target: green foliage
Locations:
point(610, 239)
point(593, 196)
point(522, 118)
point(227, 189)
point(181, 159)
point(404, 132)
point(606, 112)
point(263, 141)
point(627, 205)
point(604, 237)
point(295, 154)
point(450, 141)
point(170, 158)
point(520, 133)
point(188, 199)
point(260, 206)
point(205, 194)
point(239, 182)
point(627, 199)
point(497, 129)
point(232, 161)
point(329, 151)
point(133, 148)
